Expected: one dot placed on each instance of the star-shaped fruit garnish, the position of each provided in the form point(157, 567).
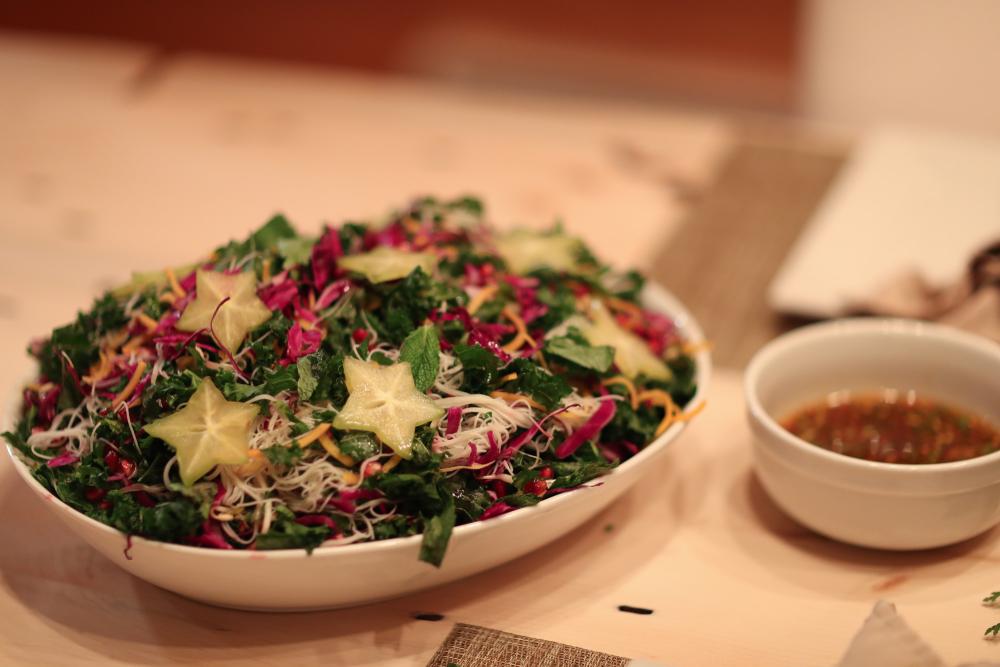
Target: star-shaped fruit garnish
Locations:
point(383, 400)
point(632, 355)
point(386, 263)
point(209, 430)
point(236, 317)
point(525, 250)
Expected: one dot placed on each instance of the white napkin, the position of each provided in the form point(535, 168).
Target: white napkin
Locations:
point(885, 640)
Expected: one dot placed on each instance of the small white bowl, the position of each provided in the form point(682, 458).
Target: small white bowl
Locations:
point(867, 503)
point(341, 576)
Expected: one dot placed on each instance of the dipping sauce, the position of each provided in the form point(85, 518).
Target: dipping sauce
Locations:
point(893, 427)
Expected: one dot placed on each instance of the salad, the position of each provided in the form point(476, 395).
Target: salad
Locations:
point(371, 382)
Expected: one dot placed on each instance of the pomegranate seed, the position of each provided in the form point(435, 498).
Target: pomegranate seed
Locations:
point(546, 473)
point(536, 487)
point(372, 468)
point(105, 505)
point(93, 494)
point(486, 270)
point(127, 467)
point(111, 460)
point(359, 334)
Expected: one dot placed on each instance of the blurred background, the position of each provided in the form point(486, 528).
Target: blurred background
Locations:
point(850, 61)
point(767, 161)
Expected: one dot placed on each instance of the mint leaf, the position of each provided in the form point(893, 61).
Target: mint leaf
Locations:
point(307, 382)
point(423, 350)
point(595, 357)
point(296, 250)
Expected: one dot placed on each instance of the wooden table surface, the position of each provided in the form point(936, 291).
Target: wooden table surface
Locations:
point(114, 159)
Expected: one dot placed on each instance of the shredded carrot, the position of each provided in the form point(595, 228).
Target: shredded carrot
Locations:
point(168, 297)
point(625, 382)
point(411, 225)
point(312, 436)
point(391, 463)
point(694, 347)
point(633, 311)
point(655, 396)
point(669, 417)
point(147, 321)
point(522, 336)
point(174, 285)
point(185, 362)
point(510, 377)
point(541, 360)
point(265, 270)
point(451, 253)
point(253, 466)
point(673, 413)
point(333, 450)
point(482, 296)
point(692, 413)
point(114, 340)
point(99, 370)
point(350, 477)
point(517, 398)
point(140, 368)
point(134, 344)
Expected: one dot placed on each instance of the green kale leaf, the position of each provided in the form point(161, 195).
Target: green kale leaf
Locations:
point(538, 383)
point(437, 533)
point(480, 367)
point(285, 533)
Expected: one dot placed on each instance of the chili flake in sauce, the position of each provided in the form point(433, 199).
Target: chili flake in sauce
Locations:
point(894, 429)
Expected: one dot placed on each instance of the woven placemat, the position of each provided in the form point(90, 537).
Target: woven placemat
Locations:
point(473, 646)
point(723, 258)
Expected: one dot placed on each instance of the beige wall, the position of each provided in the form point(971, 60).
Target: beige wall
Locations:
point(926, 62)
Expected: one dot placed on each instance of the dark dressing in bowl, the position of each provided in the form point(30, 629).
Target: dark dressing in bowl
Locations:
point(893, 427)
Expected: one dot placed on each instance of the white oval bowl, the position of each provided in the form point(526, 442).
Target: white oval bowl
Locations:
point(868, 503)
point(342, 576)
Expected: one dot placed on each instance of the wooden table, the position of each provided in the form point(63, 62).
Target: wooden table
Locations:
point(115, 159)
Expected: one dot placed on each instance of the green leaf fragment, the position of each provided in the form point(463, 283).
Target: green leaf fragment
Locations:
point(594, 357)
point(307, 382)
point(437, 533)
point(535, 381)
point(422, 350)
point(295, 250)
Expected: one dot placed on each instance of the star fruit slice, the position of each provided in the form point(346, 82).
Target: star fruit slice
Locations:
point(632, 355)
point(206, 432)
point(525, 250)
point(383, 400)
point(242, 313)
point(385, 263)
